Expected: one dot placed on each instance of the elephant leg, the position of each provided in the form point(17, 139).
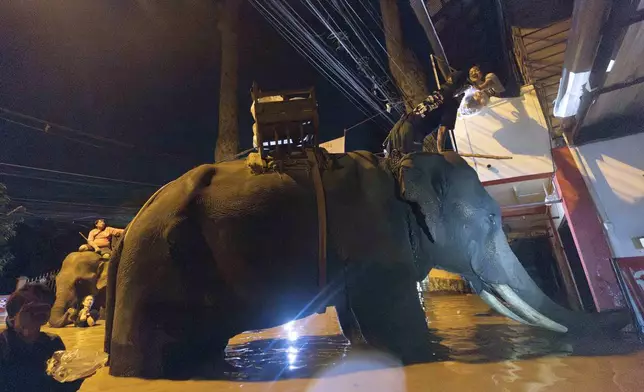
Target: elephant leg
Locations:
point(391, 317)
point(349, 324)
point(197, 355)
point(137, 345)
point(167, 341)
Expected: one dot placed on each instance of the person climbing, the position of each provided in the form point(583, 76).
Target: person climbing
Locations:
point(430, 119)
point(100, 239)
point(24, 348)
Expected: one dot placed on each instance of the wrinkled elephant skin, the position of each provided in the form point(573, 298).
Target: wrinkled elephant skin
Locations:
point(220, 251)
point(82, 274)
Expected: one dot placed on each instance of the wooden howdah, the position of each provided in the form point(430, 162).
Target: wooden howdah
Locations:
point(286, 121)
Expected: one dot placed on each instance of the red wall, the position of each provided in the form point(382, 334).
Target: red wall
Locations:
point(587, 232)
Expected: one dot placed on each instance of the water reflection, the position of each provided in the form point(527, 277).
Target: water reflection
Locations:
point(461, 323)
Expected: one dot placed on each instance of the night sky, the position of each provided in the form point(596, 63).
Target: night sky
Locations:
point(144, 73)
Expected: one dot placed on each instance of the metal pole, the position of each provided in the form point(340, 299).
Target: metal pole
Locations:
point(529, 205)
point(422, 14)
point(433, 60)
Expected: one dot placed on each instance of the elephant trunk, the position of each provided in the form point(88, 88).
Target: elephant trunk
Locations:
point(517, 296)
point(64, 300)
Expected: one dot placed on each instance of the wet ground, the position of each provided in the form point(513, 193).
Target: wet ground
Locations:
point(488, 353)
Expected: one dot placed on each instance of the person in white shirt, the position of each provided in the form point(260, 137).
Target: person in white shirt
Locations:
point(490, 84)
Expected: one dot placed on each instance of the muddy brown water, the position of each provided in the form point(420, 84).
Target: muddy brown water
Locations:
point(487, 353)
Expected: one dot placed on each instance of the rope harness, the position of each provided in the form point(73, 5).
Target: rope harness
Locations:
point(314, 161)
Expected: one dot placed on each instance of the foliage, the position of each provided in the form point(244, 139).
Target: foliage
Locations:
point(8, 221)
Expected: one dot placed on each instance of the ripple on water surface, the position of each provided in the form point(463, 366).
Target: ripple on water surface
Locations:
point(487, 352)
point(504, 351)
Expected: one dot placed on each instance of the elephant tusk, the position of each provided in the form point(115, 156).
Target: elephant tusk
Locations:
point(526, 310)
point(494, 303)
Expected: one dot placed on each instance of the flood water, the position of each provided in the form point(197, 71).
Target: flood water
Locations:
point(487, 353)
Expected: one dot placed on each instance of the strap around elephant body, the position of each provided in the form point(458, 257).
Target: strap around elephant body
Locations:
point(321, 203)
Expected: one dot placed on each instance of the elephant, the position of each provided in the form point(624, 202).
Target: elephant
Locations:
point(220, 251)
point(82, 274)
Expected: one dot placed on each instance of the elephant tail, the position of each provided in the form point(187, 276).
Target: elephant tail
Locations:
point(110, 301)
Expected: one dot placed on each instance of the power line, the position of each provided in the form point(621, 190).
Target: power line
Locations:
point(48, 125)
point(316, 55)
point(79, 175)
point(372, 13)
point(370, 118)
point(63, 127)
point(22, 124)
point(346, 13)
point(55, 180)
point(40, 201)
point(305, 40)
point(43, 130)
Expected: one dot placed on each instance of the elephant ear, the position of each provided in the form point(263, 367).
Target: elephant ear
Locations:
point(101, 282)
point(422, 179)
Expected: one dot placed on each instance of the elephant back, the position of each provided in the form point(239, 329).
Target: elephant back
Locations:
point(268, 222)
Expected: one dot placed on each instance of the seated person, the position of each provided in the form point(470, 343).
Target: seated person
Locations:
point(24, 349)
point(435, 114)
point(490, 84)
point(100, 239)
point(86, 316)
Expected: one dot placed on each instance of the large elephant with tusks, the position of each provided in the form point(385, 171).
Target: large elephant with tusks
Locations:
point(220, 251)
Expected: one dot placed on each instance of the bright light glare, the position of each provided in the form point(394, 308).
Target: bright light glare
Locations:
point(610, 65)
point(291, 334)
point(291, 358)
point(292, 350)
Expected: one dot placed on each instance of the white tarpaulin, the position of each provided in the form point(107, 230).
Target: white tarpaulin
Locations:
point(334, 146)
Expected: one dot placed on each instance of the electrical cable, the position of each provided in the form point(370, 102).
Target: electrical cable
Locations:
point(302, 37)
point(48, 126)
point(63, 127)
point(297, 43)
point(88, 184)
point(44, 131)
point(78, 174)
point(56, 202)
point(370, 118)
point(352, 22)
point(346, 44)
point(355, 83)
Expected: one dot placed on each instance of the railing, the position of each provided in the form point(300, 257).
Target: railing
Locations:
point(3, 311)
point(539, 54)
point(48, 279)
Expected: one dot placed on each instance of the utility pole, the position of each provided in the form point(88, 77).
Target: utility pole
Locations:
point(403, 64)
point(425, 20)
point(228, 132)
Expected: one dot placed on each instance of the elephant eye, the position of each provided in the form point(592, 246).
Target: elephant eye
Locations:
point(492, 218)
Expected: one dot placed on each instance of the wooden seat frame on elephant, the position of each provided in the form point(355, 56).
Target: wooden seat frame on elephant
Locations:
point(286, 122)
